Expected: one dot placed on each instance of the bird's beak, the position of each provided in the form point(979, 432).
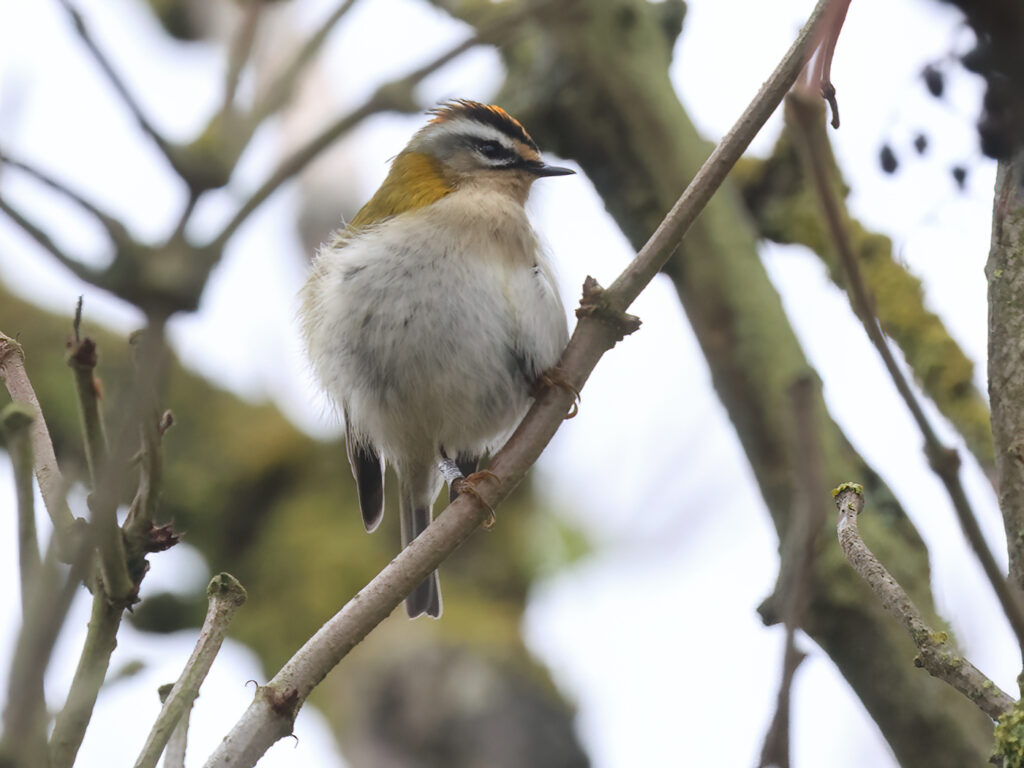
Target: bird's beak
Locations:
point(539, 168)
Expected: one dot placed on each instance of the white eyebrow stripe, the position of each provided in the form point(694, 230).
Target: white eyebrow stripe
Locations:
point(461, 126)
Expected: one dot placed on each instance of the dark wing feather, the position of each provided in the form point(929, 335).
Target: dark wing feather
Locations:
point(369, 475)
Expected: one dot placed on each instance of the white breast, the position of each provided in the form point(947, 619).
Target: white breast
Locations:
point(427, 328)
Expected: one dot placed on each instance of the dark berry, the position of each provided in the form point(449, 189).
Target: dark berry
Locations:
point(934, 80)
point(888, 159)
point(959, 176)
point(921, 143)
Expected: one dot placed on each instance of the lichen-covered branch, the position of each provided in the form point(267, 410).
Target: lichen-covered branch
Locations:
point(937, 654)
point(784, 208)
point(1005, 273)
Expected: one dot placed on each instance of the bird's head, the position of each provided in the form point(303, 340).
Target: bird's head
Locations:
point(476, 143)
point(466, 145)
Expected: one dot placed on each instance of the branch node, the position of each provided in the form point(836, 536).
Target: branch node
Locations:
point(596, 304)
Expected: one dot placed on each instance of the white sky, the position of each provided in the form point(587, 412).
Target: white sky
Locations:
point(655, 636)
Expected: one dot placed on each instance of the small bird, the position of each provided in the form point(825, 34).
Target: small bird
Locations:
point(432, 318)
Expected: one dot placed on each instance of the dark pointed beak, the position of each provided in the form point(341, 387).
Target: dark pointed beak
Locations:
point(538, 168)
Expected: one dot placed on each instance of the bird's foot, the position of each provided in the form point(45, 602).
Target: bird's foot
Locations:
point(554, 377)
point(462, 485)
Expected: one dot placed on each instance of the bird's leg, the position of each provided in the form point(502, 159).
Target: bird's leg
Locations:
point(554, 377)
point(458, 483)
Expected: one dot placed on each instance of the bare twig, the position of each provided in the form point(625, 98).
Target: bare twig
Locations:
point(602, 323)
point(51, 484)
point(396, 95)
point(799, 550)
point(1005, 274)
point(73, 719)
point(114, 228)
point(118, 84)
point(15, 422)
point(284, 84)
point(239, 53)
point(24, 719)
point(75, 266)
point(944, 461)
point(177, 745)
point(936, 653)
point(819, 71)
point(82, 358)
point(226, 596)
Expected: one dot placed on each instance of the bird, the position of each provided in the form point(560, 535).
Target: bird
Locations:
point(432, 319)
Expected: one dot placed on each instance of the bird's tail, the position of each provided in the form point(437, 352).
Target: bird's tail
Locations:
point(416, 501)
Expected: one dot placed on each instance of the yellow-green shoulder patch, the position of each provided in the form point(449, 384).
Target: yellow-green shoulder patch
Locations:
point(414, 181)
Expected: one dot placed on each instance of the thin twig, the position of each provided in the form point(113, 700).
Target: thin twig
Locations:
point(239, 53)
point(118, 84)
point(82, 358)
point(177, 745)
point(936, 654)
point(799, 550)
point(602, 323)
point(75, 266)
point(284, 84)
point(114, 228)
point(226, 596)
point(944, 461)
point(15, 424)
point(51, 484)
point(396, 95)
point(73, 719)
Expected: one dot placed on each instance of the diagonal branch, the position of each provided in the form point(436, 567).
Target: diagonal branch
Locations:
point(602, 323)
point(118, 84)
point(73, 265)
point(944, 461)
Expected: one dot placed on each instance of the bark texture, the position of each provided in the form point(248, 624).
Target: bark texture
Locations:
point(1005, 273)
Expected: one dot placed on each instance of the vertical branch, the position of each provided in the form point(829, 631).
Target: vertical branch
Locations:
point(73, 719)
point(51, 484)
point(1005, 273)
point(799, 550)
point(82, 358)
point(24, 717)
point(15, 423)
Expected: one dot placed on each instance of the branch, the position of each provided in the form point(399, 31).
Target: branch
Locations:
point(284, 84)
point(51, 484)
point(15, 425)
point(944, 461)
point(937, 655)
point(799, 551)
point(1005, 275)
point(226, 596)
point(118, 84)
point(239, 53)
point(75, 266)
point(73, 719)
point(114, 228)
point(602, 323)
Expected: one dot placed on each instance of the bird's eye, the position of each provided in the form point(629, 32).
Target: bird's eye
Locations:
point(492, 150)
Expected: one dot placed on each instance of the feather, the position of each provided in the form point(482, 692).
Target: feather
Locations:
point(369, 475)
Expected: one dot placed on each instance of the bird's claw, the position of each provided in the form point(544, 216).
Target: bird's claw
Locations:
point(554, 377)
point(467, 485)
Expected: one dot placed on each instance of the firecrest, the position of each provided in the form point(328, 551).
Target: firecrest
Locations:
point(430, 318)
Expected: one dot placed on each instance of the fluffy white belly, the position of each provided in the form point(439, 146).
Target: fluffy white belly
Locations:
point(428, 347)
